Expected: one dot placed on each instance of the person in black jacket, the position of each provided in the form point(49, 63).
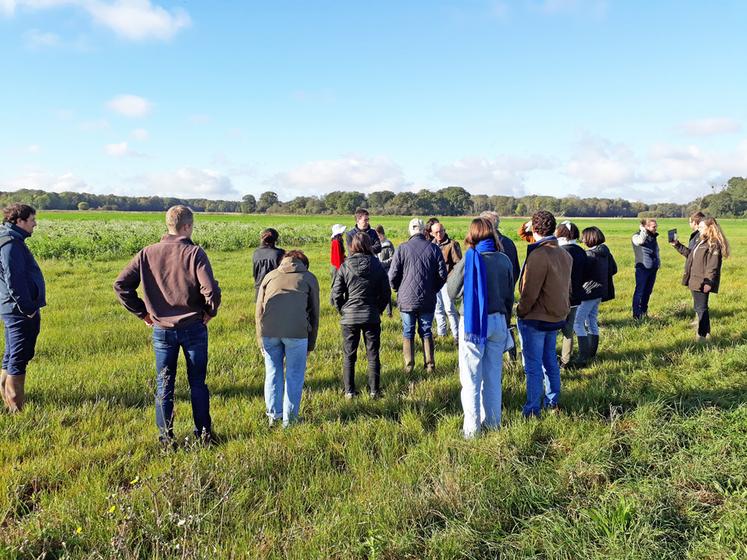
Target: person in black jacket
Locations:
point(598, 287)
point(417, 273)
point(362, 225)
point(360, 293)
point(266, 257)
point(567, 234)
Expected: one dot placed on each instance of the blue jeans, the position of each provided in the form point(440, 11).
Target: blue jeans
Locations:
point(21, 333)
point(446, 312)
point(644, 285)
point(541, 368)
point(585, 322)
point(284, 399)
point(480, 373)
point(193, 341)
point(423, 321)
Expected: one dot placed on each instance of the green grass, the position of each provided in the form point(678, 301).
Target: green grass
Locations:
point(648, 460)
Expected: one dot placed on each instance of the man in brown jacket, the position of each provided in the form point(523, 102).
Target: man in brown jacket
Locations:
point(445, 308)
point(544, 303)
point(180, 297)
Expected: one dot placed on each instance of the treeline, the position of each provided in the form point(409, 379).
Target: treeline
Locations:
point(728, 201)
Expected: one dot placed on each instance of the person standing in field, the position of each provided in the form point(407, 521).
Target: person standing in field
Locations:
point(598, 287)
point(360, 293)
point(647, 263)
point(386, 255)
point(544, 289)
point(417, 273)
point(694, 223)
point(336, 249)
point(287, 324)
point(446, 311)
point(484, 281)
point(22, 295)
point(567, 234)
point(180, 297)
point(266, 257)
point(703, 271)
point(362, 225)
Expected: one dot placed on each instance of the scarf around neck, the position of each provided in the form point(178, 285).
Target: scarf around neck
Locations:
point(476, 292)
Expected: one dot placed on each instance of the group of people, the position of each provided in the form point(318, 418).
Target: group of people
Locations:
point(561, 286)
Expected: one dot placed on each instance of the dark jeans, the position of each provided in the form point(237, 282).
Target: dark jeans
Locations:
point(644, 285)
point(700, 302)
point(21, 333)
point(193, 340)
point(351, 335)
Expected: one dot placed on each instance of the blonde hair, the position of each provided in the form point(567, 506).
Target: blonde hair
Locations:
point(177, 217)
point(714, 236)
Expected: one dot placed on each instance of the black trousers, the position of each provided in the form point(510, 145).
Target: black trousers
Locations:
point(700, 302)
point(351, 335)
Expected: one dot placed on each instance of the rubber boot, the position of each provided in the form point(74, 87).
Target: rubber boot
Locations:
point(14, 392)
point(584, 349)
point(3, 378)
point(593, 345)
point(429, 353)
point(408, 352)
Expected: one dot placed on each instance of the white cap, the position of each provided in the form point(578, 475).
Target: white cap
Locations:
point(416, 226)
point(337, 229)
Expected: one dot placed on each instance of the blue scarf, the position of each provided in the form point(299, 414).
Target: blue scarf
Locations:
point(476, 293)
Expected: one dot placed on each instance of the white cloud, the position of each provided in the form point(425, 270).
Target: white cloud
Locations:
point(140, 134)
point(504, 175)
point(348, 173)
point(33, 148)
point(36, 179)
point(599, 163)
point(121, 149)
point(136, 20)
point(36, 39)
point(189, 182)
point(710, 126)
point(131, 106)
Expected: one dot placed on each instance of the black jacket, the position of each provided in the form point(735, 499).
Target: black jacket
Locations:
point(22, 287)
point(577, 272)
point(600, 268)
point(375, 241)
point(264, 260)
point(509, 249)
point(417, 273)
point(360, 292)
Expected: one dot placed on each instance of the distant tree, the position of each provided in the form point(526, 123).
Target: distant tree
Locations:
point(248, 204)
point(83, 205)
point(459, 201)
point(266, 199)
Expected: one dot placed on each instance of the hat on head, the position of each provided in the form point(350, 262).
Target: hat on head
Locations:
point(337, 229)
point(416, 226)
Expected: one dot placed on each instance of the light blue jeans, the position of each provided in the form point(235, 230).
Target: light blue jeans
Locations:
point(446, 311)
point(283, 399)
point(480, 373)
point(585, 322)
point(541, 368)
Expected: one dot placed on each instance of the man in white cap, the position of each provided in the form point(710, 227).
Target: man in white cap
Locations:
point(417, 273)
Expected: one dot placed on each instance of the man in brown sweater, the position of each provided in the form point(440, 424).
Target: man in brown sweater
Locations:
point(180, 297)
point(446, 311)
point(544, 303)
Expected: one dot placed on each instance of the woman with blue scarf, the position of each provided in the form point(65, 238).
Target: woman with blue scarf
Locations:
point(484, 281)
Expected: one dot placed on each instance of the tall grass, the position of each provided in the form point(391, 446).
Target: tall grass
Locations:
point(648, 459)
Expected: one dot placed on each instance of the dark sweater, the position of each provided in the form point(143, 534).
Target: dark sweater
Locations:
point(577, 272)
point(265, 259)
point(600, 268)
point(500, 283)
point(375, 241)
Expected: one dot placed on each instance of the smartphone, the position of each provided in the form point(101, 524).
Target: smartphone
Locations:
point(672, 234)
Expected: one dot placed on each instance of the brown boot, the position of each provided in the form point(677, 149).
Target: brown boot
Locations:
point(408, 352)
point(429, 351)
point(14, 392)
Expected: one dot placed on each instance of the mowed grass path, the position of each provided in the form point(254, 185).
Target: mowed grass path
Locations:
point(648, 459)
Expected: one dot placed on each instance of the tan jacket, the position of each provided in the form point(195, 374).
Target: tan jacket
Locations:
point(288, 303)
point(451, 252)
point(545, 286)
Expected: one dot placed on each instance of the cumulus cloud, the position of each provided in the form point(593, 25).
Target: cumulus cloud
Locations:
point(43, 180)
point(599, 163)
point(348, 173)
point(710, 126)
point(190, 182)
point(131, 106)
point(140, 134)
point(121, 149)
point(135, 20)
point(504, 175)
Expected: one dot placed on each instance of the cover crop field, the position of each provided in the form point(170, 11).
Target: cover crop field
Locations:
point(647, 460)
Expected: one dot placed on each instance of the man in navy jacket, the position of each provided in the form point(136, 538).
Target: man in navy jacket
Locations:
point(22, 295)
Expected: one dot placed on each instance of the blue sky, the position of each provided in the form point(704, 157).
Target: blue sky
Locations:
point(644, 100)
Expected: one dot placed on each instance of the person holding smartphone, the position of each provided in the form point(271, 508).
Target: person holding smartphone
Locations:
point(647, 263)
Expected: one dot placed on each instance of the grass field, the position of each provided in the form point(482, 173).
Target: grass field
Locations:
point(647, 460)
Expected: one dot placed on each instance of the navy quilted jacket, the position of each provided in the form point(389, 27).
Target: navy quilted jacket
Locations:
point(417, 273)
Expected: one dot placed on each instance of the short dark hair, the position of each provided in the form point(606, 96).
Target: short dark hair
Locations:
point(361, 243)
point(15, 212)
point(543, 223)
point(592, 236)
point(697, 217)
point(360, 212)
point(569, 230)
point(380, 230)
point(269, 237)
point(644, 221)
point(297, 254)
point(430, 222)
